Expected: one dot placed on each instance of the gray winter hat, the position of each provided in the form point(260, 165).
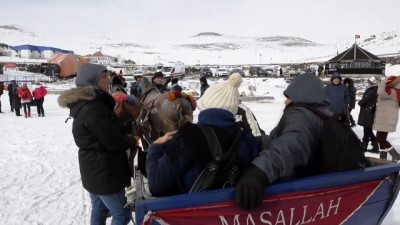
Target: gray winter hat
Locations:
point(88, 74)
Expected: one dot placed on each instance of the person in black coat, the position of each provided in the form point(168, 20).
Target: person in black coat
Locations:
point(1, 93)
point(290, 151)
point(352, 100)
point(11, 89)
point(367, 114)
point(157, 82)
point(15, 99)
point(102, 146)
point(203, 85)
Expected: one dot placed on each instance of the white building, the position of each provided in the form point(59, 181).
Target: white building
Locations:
point(100, 58)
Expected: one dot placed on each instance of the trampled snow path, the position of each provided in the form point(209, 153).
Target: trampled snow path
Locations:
point(40, 181)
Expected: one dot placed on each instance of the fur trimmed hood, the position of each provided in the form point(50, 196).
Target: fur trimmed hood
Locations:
point(70, 97)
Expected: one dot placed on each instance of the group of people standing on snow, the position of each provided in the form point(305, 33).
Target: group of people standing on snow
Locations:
point(378, 110)
point(175, 160)
point(22, 97)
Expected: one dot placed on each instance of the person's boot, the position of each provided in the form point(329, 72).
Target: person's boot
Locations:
point(382, 154)
point(29, 114)
point(395, 155)
point(365, 145)
point(26, 115)
point(375, 147)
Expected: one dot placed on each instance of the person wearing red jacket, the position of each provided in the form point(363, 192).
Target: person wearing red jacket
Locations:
point(26, 97)
point(38, 95)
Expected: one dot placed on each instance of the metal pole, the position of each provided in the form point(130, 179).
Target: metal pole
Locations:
point(355, 47)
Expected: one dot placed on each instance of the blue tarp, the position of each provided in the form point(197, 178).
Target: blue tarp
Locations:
point(39, 48)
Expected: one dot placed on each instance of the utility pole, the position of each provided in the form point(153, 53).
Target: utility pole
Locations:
point(260, 58)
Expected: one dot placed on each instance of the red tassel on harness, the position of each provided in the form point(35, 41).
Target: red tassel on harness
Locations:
point(175, 94)
point(119, 96)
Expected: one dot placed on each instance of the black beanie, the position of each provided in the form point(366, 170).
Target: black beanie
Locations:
point(158, 74)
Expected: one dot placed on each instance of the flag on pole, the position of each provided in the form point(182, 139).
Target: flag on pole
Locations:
point(357, 36)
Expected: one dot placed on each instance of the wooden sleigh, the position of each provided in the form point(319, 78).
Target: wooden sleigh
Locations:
point(352, 197)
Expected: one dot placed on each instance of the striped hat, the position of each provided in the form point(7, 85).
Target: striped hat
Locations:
point(223, 95)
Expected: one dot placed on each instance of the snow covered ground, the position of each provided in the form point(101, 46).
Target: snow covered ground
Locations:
point(40, 181)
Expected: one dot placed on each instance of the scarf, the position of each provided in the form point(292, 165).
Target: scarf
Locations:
point(390, 83)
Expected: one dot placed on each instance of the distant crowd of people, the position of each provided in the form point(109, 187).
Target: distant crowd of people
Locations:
point(23, 97)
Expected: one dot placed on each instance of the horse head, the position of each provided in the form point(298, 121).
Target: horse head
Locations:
point(127, 109)
point(169, 111)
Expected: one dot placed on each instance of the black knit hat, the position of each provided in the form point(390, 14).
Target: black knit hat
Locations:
point(177, 88)
point(158, 74)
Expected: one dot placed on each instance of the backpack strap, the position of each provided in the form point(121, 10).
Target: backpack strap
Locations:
point(208, 175)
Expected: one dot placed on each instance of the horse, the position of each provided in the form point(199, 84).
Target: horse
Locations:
point(127, 108)
point(164, 112)
point(159, 113)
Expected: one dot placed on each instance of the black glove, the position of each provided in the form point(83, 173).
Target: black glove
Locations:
point(249, 191)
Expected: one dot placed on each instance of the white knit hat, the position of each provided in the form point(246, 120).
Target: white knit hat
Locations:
point(223, 95)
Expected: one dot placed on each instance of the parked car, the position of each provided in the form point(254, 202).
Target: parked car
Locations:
point(269, 71)
point(294, 72)
point(221, 73)
point(205, 71)
point(258, 71)
point(237, 71)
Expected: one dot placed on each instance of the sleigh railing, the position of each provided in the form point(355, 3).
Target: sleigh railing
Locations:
point(358, 197)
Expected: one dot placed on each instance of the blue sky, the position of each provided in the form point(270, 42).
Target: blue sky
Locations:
point(156, 20)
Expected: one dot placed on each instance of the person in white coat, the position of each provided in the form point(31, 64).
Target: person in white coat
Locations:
point(387, 115)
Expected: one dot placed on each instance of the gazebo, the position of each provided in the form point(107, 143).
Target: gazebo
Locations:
point(356, 62)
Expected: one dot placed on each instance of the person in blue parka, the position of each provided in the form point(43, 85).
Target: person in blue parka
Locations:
point(338, 95)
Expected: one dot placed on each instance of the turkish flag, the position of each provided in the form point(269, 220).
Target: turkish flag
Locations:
point(357, 36)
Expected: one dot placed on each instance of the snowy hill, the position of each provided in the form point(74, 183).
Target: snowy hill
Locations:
point(203, 48)
point(383, 43)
